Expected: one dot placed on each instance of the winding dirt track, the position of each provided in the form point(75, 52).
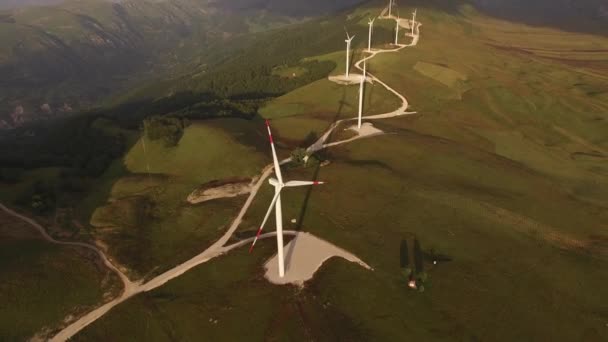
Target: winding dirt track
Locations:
point(219, 247)
point(128, 285)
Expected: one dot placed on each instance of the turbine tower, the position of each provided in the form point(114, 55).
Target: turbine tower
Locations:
point(397, 31)
point(414, 20)
point(348, 40)
point(371, 29)
point(361, 88)
point(276, 204)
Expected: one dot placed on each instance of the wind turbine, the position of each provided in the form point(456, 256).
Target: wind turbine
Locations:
point(397, 31)
point(348, 40)
point(361, 88)
point(276, 203)
point(371, 29)
point(390, 7)
point(414, 20)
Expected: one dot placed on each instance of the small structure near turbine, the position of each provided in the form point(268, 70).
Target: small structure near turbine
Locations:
point(276, 204)
point(348, 41)
point(371, 30)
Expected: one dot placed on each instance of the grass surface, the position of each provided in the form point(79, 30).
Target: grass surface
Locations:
point(147, 223)
point(507, 178)
point(493, 177)
point(43, 283)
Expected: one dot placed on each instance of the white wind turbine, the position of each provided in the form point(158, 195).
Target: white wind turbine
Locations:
point(276, 203)
point(414, 20)
point(390, 7)
point(371, 29)
point(348, 40)
point(397, 31)
point(361, 88)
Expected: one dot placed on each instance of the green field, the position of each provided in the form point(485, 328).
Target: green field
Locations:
point(147, 223)
point(289, 72)
point(44, 283)
point(439, 73)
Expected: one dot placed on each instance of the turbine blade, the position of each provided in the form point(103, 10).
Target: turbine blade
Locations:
point(274, 201)
point(277, 167)
point(293, 184)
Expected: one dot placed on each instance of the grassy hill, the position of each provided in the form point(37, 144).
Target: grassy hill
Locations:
point(503, 171)
point(73, 55)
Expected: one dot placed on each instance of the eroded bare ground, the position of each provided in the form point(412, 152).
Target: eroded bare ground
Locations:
point(221, 189)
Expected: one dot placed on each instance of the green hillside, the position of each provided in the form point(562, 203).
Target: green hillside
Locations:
point(44, 283)
point(80, 53)
point(490, 173)
point(501, 174)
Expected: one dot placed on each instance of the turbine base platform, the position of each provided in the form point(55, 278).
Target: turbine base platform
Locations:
point(304, 255)
point(350, 80)
point(367, 129)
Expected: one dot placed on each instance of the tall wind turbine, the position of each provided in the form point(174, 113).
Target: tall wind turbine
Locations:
point(390, 7)
point(348, 40)
point(397, 31)
point(361, 88)
point(276, 203)
point(414, 20)
point(371, 29)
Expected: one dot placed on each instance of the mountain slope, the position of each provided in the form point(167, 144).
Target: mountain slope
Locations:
point(79, 52)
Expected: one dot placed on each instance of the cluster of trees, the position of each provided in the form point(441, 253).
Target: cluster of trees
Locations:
point(70, 142)
point(10, 175)
point(241, 78)
point(40, 198)
point(169, 129)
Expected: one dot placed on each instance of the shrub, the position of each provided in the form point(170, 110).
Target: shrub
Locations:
point(168, 129)
point(299, 156)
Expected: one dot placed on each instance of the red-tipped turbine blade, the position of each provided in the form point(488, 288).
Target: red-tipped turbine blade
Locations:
point(277, 167)
point(274, 200)
point(292, 184)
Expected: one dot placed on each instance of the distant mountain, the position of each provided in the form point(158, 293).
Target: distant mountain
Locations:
point(574, 15)
point(5, 4)
point(290, 8)
point(69, 56)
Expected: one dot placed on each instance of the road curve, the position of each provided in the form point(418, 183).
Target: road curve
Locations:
point(219, 248)
point(126, 282)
